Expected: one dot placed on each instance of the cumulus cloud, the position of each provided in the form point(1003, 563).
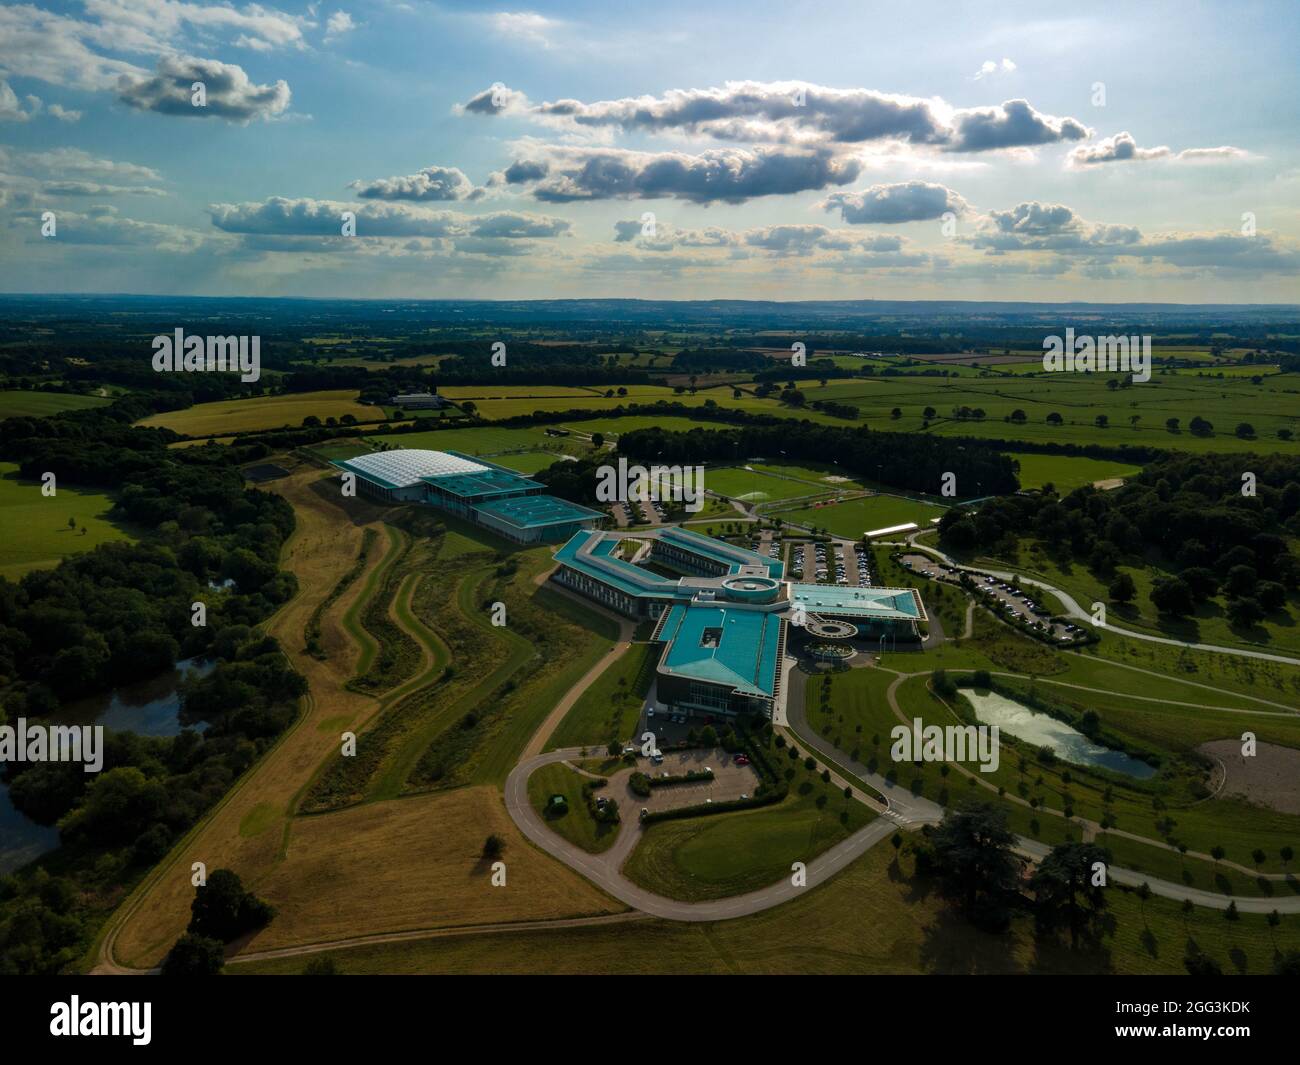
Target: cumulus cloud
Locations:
point(282, 217)
point(85, 53)
point(526, 26)
point(730, 175)
point(337, 25)
point(1123, 148)
point(431, 183)
point(229, 92)
point(778, 240)
point(96, 188)
point(1034, 226)
point(795, 112)
point(990, 67)
point(11, 108)
point(1015, 124)
point(64, 161)
point(908, 201)
point(103, 225)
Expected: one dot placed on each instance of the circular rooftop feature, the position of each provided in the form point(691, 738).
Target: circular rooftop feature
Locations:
point(751, 589)
point(829, 629)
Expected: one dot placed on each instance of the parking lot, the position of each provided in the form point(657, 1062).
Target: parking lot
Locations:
point(730, 781)
point(1014, 602)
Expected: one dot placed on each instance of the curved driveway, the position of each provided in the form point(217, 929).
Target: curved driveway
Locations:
point(603, 869)
point(1074, 610)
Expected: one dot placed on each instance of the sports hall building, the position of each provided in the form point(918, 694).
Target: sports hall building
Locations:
point(508, 503)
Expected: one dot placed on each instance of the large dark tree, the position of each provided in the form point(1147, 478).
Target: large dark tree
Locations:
point(194, 956)
point(975, 863)
point(1065, 891)
point(223, 910)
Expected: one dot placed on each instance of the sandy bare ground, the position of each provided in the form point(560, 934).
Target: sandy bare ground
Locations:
point(1271, 778)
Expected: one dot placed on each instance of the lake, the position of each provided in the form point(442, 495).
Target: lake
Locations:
point(150, 708)
point(1043, 730)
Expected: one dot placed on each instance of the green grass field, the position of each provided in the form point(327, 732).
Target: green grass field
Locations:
point(34, 529)
point(1278, 632)
point(1067, 472)
point(576, 824)
point(39, 404)
point(608, 710)
point(262, 412)
point(1135, 415)
point(854, 517)
point(729, 854)
point(875, 917)
point(753, 486)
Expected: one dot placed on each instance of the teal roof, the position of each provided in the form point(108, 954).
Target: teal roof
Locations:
point(729, 555)
point(898, 604)
point(617, 572)
point(740, 651)
point(529, 512)
point(489, 482)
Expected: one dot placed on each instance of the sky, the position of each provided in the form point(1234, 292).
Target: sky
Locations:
point(415, 149)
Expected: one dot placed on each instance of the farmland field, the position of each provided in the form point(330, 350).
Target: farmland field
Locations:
point(1135, 415)
point(1067, 472)
point(38, 404)
point(34, 529)
point(855, 516)
point(486, 441)
point(262, 412)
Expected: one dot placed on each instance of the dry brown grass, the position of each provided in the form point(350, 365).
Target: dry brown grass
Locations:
point(414, 863)
point(324, 546)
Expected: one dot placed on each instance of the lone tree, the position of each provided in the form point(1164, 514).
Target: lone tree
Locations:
point(1065, 893)
point(976, 865)
point(224, 911)
point(1122, 589)
point(194, 956)
point(493, 846)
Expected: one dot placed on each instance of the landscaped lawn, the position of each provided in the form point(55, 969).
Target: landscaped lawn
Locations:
point(576, 824)
point(728, 854)
point(607, 711)
point(1067, 472)
point(854, 517)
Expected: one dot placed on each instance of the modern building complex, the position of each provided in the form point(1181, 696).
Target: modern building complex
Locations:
point(723, 613)
point(499, 499)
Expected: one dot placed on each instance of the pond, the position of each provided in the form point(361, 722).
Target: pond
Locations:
point(150, 708)
point(1043, 730)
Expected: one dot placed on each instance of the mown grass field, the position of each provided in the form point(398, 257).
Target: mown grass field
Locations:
point(1067, 472)
point(34, 529)
point(23, 403)
point(262, 412)
point(875, 917)
point(608, 709)
point(854, 517)
point(753, 486)
point(729, 854)
point(576, 824)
